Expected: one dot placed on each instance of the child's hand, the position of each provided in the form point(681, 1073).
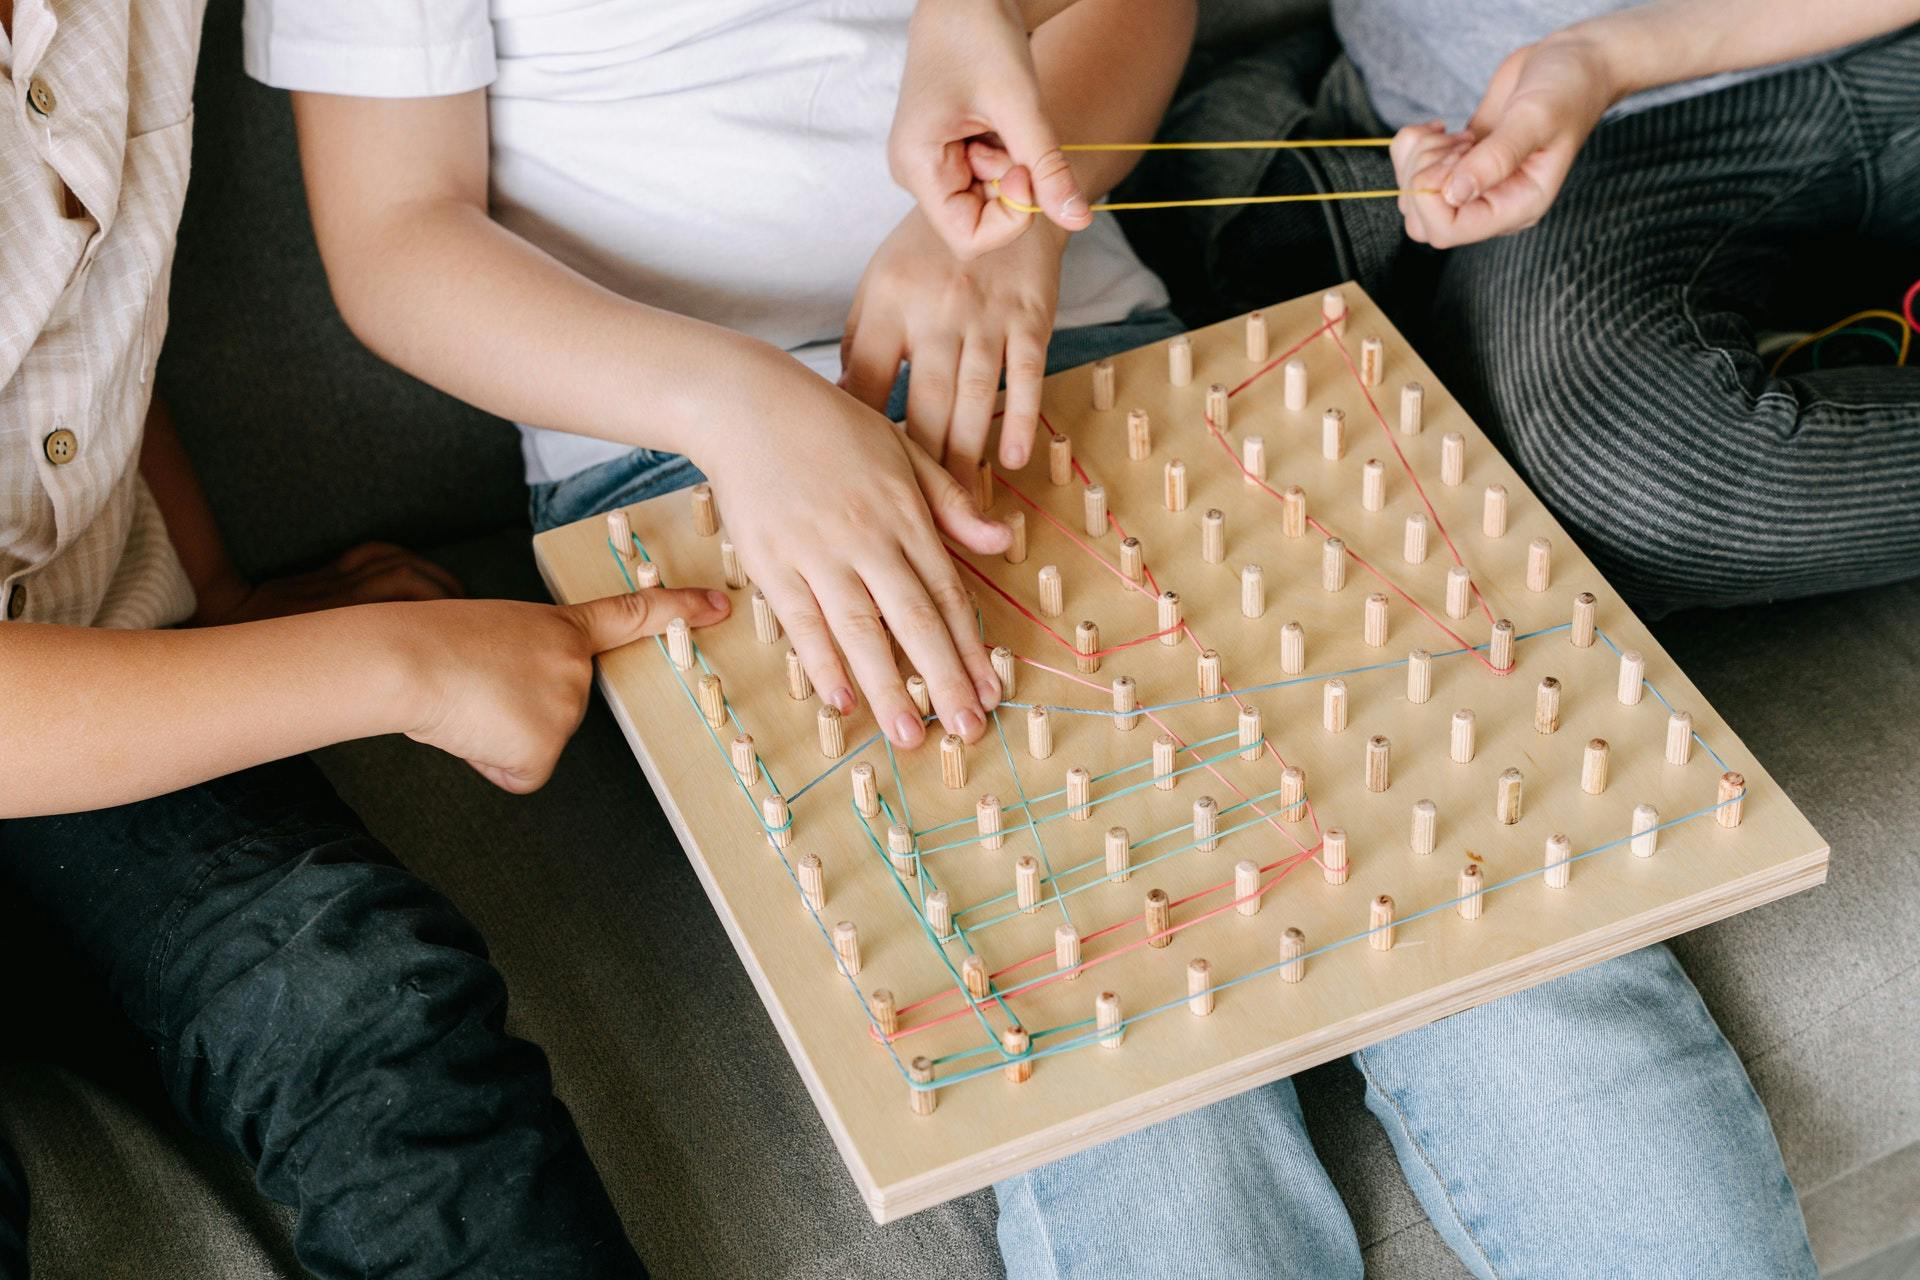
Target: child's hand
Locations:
point(959, 324)
point(370, 573)
point(834, 510)
point(503, 684)
point(1503, 171)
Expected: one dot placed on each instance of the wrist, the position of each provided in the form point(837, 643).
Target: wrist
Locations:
point(1626, 52)
point(403, 662)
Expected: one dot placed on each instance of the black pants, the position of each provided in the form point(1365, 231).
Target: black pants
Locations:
point(335, 1020)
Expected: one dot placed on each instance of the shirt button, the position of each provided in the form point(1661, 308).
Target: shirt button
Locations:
point(60, 446)
point(40, 96)
point(17, 600)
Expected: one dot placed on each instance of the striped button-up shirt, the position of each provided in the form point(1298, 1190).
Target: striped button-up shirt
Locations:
point(96, 122)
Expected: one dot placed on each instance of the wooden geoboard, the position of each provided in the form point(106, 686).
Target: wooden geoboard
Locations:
point(935, 1109)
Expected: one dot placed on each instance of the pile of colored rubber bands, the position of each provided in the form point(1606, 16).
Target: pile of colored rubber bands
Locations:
point(1898, 340)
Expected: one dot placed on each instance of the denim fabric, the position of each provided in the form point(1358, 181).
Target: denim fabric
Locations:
point(648, 473)
point(13, 1216)
point(1597, 1125)
point(320, 1010)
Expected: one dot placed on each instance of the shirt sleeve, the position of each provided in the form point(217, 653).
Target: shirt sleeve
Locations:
point(370, 48)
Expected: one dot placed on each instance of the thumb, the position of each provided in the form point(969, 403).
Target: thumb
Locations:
point(1518, 133)
point(952, 507)
point(1028, 137)
point(612, 621)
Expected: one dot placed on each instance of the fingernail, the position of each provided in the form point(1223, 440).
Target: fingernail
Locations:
point(1073, 207)
point(1460, 190)
point(989, 691)
point(841, 700)
point(907, 730)
point(968, 724)
point(718, 599)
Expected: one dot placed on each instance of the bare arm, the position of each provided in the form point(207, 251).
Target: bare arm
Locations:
point(1668, 41)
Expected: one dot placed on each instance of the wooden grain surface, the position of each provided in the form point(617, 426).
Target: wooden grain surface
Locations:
point(986, 1127)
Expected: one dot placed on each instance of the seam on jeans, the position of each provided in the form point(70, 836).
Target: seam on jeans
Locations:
point(1360, 1061)
point(177, 909)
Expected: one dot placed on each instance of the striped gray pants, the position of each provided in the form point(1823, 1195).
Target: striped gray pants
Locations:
point(1611, 348)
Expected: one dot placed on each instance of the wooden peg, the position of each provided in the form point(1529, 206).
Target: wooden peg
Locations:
point(1206, 824)
point(1493, 512)
point(799, 686)
point(1015, 1042)
point(1333, 309)
point(1507, 798)
point(1558, 861)
point(1163, 752)
point(1180, 360)
point(1086, 644)
point(922, 1099)
point(1333, 435)
point(1413, 408)
point(766, 627)
point(1296, 385)
point(1646, 834)
point(1039, 733)
point(921, 695)
point(1419, 676)
point(1372, 361)
point(1459, 591)
point(777, 817)
point(1732, 799)
point(1333, 856)
point(1293, 649)
point(1546, 706)
point(1059, 459)
point(1213, 536)
point(1293, 511)
point(939, 911)
point(1209, 666)
point(1005, 669)
point(1253, 591)
point(731, 570)
point(1374, 632)
point(1126, 703)
point(1256, 336)
point(1159, 919)
point(1593, 767)
point(1500, 645)
point(1169, 618)
point(1453, 458)
point(886, 1013)
point(679, 644)
point(983, 486)
point(1253, 460)
point(1119, 854)
point(1679, 737)
point(1378, 765)
point(1026, 882)
point(974, 977)
point(833, 733)
point(1066, 949)
point(1471, 893)
point(1633, 678)
point(713, 701)
point(866, 791)
point(1139, 435)
point(1103, 381)
point(1460, 743)
point(1413, 546)
point(812, 874)
point(1293, 945)
point(1016, 552)
point(1217, 407)
point(1094, 500)
point(1333, 565)
point(953, 762)
point(1108, 1021)
point(1079, 794)
point(1373, 484)
point(1052, 591)
point(846, 942)
point(1199, 988)
point(1252, 735)
point(706, 517)
point(646, 575)
point(1426, 817)
point(620, 534)
point(1176, 485)
point(1380, 924)
point(1581, 631)
point(746, 761)
point(1293, 791)
point(1333, 706)
point(1246, 887)
point(1539, 564)
point(901, 850)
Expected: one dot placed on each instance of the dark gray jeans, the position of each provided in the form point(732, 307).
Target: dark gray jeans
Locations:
point(1611, 348)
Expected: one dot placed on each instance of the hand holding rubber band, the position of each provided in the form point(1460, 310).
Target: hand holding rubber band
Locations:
point(1262, 144)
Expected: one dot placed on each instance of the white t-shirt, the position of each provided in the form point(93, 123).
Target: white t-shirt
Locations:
point(722, 159)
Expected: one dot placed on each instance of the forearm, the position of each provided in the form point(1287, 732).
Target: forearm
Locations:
point(1107, 70)
point(1668, 41)
point(99, 717)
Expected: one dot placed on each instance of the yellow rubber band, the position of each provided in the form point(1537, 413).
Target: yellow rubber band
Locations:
point(1900, 322)
point(1253, 144)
